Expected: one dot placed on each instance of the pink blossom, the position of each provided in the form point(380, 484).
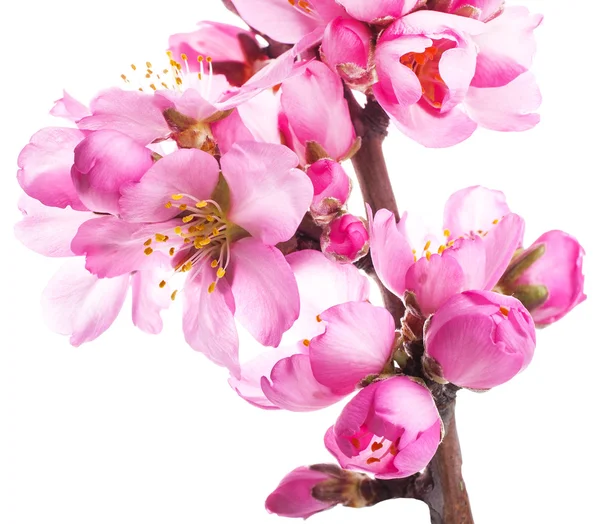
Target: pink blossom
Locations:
point(293, 497)
point(348, 48)
point(557, 267)
point(235, 52)
point(325, 119)
point(469, 257)
point(381, 11)
point(69, 108)
point(483, 10)
point(331, 187)
point(345, 239)
point(221, 232)
point(288, 21)
point(390, 428)
point(283, 377)
point(441, 75)
point(479, 339)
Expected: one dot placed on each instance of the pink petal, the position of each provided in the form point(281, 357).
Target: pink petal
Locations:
point(472, 209)
point(391, 253)
point(189, 102)
point(230, 130)
point(416, 455)
point(382, 9)
point(457, 67)
point(69, 108)
point(45, 167)
point(292, 386)
point(260, 116)
point(506, 108)
point(506, 48)
point(326, 119)
point(435, 280)
point(132, 113)
point(208, 323)
point(346, 41)
point(81, 305)
point(113, 247)
point(149, 299)
point(357, 342)
point(48, 230)
point(185, 171)
point(264, 288)
point(269, 196)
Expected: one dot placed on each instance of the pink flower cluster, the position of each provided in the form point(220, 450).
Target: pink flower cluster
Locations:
point(202, 180)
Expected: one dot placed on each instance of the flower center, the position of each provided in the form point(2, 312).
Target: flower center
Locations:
point(371, 448)
point(426, 66)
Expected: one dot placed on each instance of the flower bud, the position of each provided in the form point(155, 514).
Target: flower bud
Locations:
point(332, 188)
point(345, 239)
point(391, 428)
point(483, 10)
point(547, 278)
point(348, 50)
point(106, 161)
point(478, 340)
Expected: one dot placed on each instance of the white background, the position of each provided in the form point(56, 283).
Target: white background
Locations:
point(138, 428)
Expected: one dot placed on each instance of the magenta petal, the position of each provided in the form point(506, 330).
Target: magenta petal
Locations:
point(292, 386)
point(381, 9)
point(434, 281)
point(132, 113)
point(208, 323)
point(416, 455)
point(69, 108)
point(48, 230)
point(264, 288)
point(391, 253)
point(229, 131)
point(357, 342)
point(269, 196)
point(185, 171)
point(81, 305)
point(45, 167)
point(473, 208)
point(149, 299)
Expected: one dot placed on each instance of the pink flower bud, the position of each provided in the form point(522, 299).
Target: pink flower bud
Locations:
point(478, 340)
point(345, 239)
point(391, 428)
point(552, 266)
point(106, 161)
point(332, 187)
point(293, 497)
point(348, 49)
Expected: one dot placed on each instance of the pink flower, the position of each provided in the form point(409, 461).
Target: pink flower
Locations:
point(390, 428)
point(441, 75)
point(478, 340)
point(288, 21)
point(547, 277)
point(480, 238)
point(381, 11)
point(483, 10)
point(235, 52)
point(282, 378)
point(293, 497)
point(331, 187)
point(222, 231)
point(325, 121)
point(345, 239)
point(348, 49)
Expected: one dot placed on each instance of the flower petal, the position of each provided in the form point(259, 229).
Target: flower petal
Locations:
point(149, 299)
point(376, 11)
point(69, 108)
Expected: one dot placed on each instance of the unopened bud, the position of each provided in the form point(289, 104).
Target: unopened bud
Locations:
point(345, 239)
point(331, 189)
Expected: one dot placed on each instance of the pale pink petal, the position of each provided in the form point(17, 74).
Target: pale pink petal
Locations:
point(45, 167)
point(48, 230)
point(434, 280)
point(264, 288)
point(470, 253)
point(506, 48)
point(357, 342)
point(472, 209)
point(507, 108)
point(113, 247)
point(230, 130)
point(379, 10)
point(260, 116)
point(457, 67)
point(134, 114)
point(326, 119)
point(208, 323)
point(69, 108)
point(185, 171)
point(189, 102)
point(390, 250)
point(81, 305)
point(269, 196)
point(292, 386)
point(416, 455)
point(149, 299)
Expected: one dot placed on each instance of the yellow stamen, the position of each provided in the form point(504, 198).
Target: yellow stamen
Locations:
point(504, 310)
point(183, 57)
point(187, 218)
point(148, 242)
point(212, 287)
point(172, 251)
point(162, 284)
point(177, 197)
point(161, 238)
point(177, 230)
point(441, 249)
point(210, 218)
point(168, 205)
point(214, 264)
point(220, 272)
point(372, 460)
point(427, 245)
point(495, 221)
point(173, 295)
point(428, 255)
point(446, 232)
point(306, 342)
point(355, 442)
point(148, 251)
point(183, 207)
point(319, 319)
point(376, 446)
